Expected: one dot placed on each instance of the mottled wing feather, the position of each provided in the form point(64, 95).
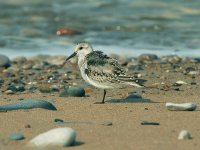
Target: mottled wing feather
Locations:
point(102, 68)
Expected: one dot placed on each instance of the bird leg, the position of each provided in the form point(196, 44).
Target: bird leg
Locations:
point(104, 95)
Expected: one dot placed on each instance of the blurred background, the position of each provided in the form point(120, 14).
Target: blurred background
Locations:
point(128, 27)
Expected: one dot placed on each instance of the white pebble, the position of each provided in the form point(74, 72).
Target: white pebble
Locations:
point(193, 73)
point(180, 82)
point(184, 135)
point(181, 107)
point(55, 137)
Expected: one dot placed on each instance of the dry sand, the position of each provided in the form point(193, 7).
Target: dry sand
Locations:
point(126, 131)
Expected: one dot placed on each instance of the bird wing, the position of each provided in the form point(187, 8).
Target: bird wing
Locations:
point(102, 68)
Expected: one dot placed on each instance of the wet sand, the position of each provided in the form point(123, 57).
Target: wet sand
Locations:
point(126, 131)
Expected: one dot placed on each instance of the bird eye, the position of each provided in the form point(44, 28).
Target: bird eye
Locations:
point(80, 48)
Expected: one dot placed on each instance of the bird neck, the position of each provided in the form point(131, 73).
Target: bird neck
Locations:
point(82, 56)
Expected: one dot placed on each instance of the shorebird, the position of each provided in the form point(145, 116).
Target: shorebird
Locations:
point(100, 70)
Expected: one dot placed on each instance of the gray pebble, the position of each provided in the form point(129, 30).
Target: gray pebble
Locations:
point(28, 104)
point(107, 123)
point(147, 57)
point(172, 59)
point(4, 61)
point(19, 60)
point(149, 123)
point(44, 88)
point(73, 91)
point(38, 66)
point(16, 136)
point(56, 60)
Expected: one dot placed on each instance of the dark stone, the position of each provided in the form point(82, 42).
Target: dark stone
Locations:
point(147, 57)
point(73, 91)
point(107, 123)
point(4, 61)
point(27, 126)
point(44, 88)
point(136, 68)
point(20, 88)
point(177, 89)
point(12, 88)
point(57, 120)
point(149, 123)
point(174, 65)
point(134, 96)
point(188, 69)
point(193, 83)
point(28, 104)
point(19, 60)
point(16, 136)
point(197, 59)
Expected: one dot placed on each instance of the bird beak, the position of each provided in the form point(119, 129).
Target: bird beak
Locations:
point(72, 55)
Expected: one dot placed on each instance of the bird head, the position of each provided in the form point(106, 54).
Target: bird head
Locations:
point(81, 50)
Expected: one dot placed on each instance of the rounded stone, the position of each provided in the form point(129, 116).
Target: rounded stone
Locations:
point(181, 107)
point(56, 60)
point(4, 61)
point(184, 135)
point(16, 136)
point(56, 137)
point(19, 60)
point(147, 57)
point(73, 91)
point(28, 104)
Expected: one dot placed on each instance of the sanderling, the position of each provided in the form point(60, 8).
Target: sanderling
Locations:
point(100, 70)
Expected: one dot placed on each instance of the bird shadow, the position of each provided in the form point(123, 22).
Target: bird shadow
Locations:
point(133, 98)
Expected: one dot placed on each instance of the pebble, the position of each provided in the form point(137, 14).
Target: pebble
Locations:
point(44, 88)
point(9, 92)
point(73, 91)
point(55, 137)
point(107, 123)
point(193, 83)
point(181, 107)
point(27, 66)
point(147, 57)
point(136, 68)
point(179, 83)
point(134, 96)
point(27, 126)
point(149, 123)
point(193, 73)
point(38, 66)
point(4, 61)
point(56, 60)
point(28, 104)
point(171, 59)
point(184, 135)
point(16, 136)
point(189, 69)
point(55, 88)
point(19, 60)
point(57, 120)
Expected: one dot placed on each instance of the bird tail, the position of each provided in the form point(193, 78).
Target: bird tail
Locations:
point(133, 81)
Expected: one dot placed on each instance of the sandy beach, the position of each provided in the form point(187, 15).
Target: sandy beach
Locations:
point(115, 125)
